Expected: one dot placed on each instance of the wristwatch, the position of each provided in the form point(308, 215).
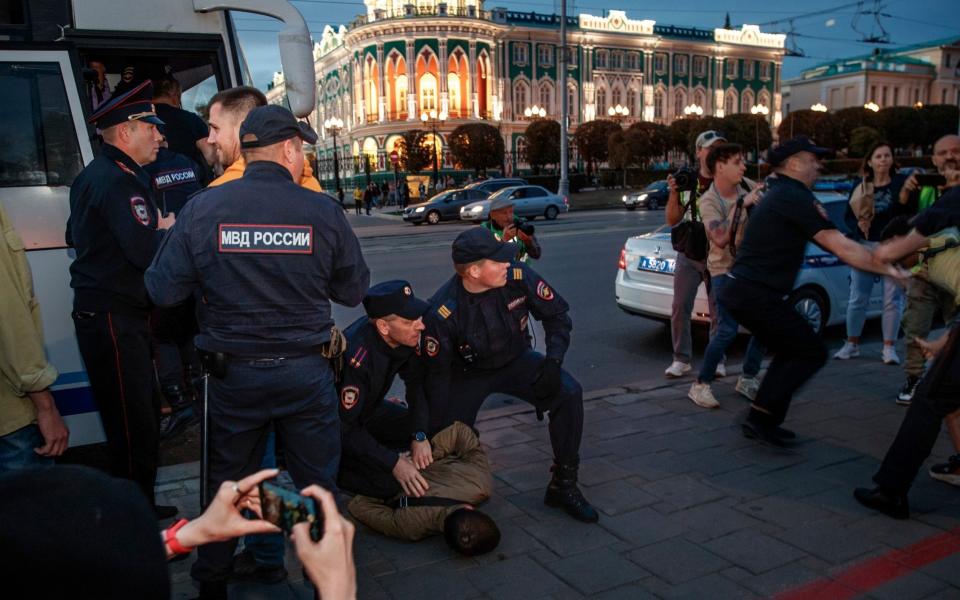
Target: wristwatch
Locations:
point(419, 437)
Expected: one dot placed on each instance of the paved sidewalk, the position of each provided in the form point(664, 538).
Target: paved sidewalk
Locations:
point(690, 509)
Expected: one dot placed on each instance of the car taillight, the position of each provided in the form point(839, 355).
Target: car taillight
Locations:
point(622, 264)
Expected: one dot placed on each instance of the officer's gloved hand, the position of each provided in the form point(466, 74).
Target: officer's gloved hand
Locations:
point(548, 384)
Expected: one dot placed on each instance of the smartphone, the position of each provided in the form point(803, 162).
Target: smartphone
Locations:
point(285, 508)
point(931, 179)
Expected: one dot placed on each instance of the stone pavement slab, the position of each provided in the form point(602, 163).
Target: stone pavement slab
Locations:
point(689, 508)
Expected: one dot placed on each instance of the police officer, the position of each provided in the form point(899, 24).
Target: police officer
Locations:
point(266, 256)
point(477, 343)
point(115, 228)
point(508, 228)
point(787, 218)
point(376, 432)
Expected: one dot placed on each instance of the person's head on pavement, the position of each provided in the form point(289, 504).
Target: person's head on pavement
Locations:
point(129, 122)
point(798, 158)
point(72, 530)
point(470, 532)
point(272, 133)
point(228, 109)
point(481, 260)
point(396, 313)
point(946, 153)
point(705, 141)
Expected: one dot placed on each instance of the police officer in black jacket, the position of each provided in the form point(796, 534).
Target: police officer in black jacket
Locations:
point(115, 228)
point(266, 257)
point(377, 432)
point(477, 342)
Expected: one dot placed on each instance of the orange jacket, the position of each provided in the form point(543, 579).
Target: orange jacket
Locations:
point(235, 171)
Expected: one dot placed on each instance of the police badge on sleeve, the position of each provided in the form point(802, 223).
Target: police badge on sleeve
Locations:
point(349, 396)
point(138, 206)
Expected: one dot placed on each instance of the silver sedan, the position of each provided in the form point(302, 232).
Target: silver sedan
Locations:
point(529, 201)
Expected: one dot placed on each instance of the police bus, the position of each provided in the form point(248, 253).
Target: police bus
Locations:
point(46, 50)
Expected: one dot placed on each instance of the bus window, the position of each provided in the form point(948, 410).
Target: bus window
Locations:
point(41, 147)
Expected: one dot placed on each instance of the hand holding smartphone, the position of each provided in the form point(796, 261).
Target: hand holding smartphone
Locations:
point(285, 508)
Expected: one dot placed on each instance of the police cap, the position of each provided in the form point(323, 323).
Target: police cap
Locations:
point(135, 105)
point(776, 155)
point(479, 243)
point(393, 298)
point(271, 124)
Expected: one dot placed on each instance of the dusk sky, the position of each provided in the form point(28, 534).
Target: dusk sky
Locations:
point(837, 32)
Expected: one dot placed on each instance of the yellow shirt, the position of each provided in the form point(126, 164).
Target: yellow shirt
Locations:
point(235, 171)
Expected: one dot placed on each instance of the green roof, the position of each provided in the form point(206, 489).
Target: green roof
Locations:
point(891, 55)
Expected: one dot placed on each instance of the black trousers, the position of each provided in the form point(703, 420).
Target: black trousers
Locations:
point(469, 390)
point(391, 426)
point(798, 352)
point(174, 328)
point(296, 396)
point(116, 353)
point(937, 395)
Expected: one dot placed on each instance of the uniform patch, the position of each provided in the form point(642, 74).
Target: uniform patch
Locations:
point(821, 210)
point(443, 311)
point(357, 359)
point(407, 291)
point(349, 396)
point(544, 291)
point(125, 168)
point(432, 346)
point(523, 323)
point(517, 274)
point(138, 206)
point(265, 239)
point(169, 179)
point(516, 302)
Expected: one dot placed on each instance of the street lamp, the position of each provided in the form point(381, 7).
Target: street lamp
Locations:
point(872, 106)
point(693, 110)
point(333, 126)
point(432, 117)
point(818, 107)
point(534, 112)
point(618, 112)
point(759, 110)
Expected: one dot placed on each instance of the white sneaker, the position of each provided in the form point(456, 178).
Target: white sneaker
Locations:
point(890, 355)
point(677, 369)
point(748, 387)
point(702, 395)
point(848, 351)
point(721, 370)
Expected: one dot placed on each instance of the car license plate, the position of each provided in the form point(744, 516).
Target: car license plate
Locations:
point(657, 265)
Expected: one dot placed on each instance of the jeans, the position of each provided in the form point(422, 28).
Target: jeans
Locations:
point(687, 276)
point(267, 548)
point(861, 284)
point(726, 332)
point(924, 301)
point(16, 450)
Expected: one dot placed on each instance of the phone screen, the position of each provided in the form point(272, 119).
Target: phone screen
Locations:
point(285, 508)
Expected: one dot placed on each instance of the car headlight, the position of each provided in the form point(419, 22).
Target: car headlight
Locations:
point(643, 196)
point(624, 198)
point(476, 209)
point(419, 209)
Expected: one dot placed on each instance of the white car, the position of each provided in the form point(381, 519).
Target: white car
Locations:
point(644, 283)
point(529, 201)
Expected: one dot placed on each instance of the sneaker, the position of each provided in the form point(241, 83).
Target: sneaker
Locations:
point(890, 355)
point(848, 351)
point(702, 395)
point(721, 370)
point(748, 387)
point(906, 392)
point(677, 369)
point(948, 472)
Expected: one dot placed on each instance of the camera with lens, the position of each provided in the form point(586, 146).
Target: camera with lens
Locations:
point(685, 180)
point(525, 227)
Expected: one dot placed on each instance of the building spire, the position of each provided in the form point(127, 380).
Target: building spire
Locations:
point(726, 22)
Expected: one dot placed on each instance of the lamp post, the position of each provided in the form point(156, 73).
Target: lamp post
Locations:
point(432, 117)
point(872, 106)
point(818, 107)
point(333, 127)
point(694, 110)
point(534, 112)
point(759, 110)
point(618, 112)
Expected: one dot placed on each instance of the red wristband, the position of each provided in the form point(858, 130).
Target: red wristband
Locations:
point(170, 538)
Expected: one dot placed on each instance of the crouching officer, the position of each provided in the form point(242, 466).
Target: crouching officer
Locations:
point(266, 257)
point(376, 433)
point(477, 343)
point(508, 228)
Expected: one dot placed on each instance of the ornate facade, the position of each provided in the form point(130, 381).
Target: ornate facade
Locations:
point(463, 63)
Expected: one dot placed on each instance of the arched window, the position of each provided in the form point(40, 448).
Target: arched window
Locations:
point(453, 93)
point(746, 101)
point(679, 102)
point(764, 98)
point(730, 102)
point(519, 98)
point(371, 80)
point(601, 102)
point(632, 102)
point(521, 150)
point(546, 97)
point(659, 103)
point(699, 98)
point(428, 92)
point(401, 95)
point(616, 97)
point(572, 110)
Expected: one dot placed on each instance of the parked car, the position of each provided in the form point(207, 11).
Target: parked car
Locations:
point(530, 201)
point(445, 206)
point(834, 183)
point(644, 281)
point(489, 186)
point(651, 197)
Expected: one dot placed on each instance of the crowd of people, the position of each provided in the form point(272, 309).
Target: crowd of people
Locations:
point(200, 277)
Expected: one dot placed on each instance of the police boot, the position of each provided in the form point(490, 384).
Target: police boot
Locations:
point(182, 414)
point(562, 492)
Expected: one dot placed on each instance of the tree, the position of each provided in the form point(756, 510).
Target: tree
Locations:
point(939, 120)
point(850, 118)
point(543, 143)
point(591, 138)
point(620, 153)
point(678, 136)
point(822, 127)
point(861, 140)
point(649, 141)
point(748, 130)
point(476, 146)
point(415, 150)
point(902, 126)
point(698, 126)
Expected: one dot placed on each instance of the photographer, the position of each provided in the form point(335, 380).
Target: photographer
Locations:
point(689, 272)
point(508, 228)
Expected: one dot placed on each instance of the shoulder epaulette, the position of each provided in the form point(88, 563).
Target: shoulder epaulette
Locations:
point(446, 309)
point(125, 168)
point(357, 359)
point(517, 274)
